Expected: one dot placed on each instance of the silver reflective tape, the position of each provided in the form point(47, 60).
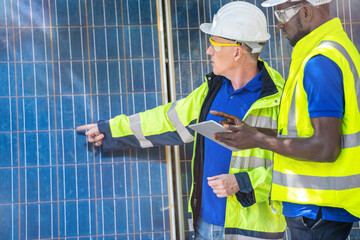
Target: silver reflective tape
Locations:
point(347, 141)
point(135, 127)
point(242, 237)
point(249, 162)
point(315, 182)
point(184, 134)
point(191, 224)
point(353, 69)
point(291, 125)
point(290, 134)
point(350, 140)
point(271, 166)
point(261, 121)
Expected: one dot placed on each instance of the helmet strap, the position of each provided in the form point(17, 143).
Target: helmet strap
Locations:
point(256, 47)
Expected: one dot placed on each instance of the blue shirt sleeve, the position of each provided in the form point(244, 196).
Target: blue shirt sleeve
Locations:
point(323, 84)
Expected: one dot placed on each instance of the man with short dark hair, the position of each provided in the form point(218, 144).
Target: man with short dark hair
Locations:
point(316, 167)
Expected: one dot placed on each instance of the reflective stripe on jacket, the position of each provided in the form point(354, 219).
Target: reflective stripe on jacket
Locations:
point(168, 125)
point(263, 219)
point(325, 184)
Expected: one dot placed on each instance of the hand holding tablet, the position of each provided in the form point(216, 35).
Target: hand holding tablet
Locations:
point(208, 129)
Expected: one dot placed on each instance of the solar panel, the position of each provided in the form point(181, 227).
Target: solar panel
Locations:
point(64, 64)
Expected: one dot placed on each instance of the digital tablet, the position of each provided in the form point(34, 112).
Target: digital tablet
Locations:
point(208, 128)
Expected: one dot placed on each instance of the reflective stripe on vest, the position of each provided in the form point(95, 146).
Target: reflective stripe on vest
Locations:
point(348, 140)
point(236, 233)
point(315, 182)
point(135, 126)
point(249, 162)
point(184, 134)
point(353, 69)
point(291, 124)
point(261, 121)
point(242, 237)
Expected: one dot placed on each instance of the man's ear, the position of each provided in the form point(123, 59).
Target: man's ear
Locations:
point(238, 53)
point(307, 13)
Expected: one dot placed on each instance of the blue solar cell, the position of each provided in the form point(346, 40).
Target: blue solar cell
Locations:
point(31, 221)
point(45, 220)
point(5, 114)
point(75, 12)
point(5, 186)
point(122, 175)
point(69, 219)
point(3, 14)
point(143, 214)
point(44, 141)
point(31, 184)
point(107, 211)
point(124, 216)
point(84, 226)
point(44, 176)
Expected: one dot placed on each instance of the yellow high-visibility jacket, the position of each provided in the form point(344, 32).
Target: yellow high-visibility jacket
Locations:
point(249, 213)
point(334, 184)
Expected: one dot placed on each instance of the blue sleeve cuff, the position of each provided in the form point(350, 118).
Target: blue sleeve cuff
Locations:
point(109, 143)
point(245, 195)
point(336, 114)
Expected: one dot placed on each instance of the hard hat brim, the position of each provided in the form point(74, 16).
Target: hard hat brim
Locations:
point(271, 3)
point(206, 28)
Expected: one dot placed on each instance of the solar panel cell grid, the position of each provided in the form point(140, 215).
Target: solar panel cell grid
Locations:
point(66, 63)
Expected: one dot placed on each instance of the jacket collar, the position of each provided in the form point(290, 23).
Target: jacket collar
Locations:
point(268, 86)
point(313, 39)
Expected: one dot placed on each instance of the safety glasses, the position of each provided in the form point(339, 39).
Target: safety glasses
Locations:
point(286, 14)
point(217, 46)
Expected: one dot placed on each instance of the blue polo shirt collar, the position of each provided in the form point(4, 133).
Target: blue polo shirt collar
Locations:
point(253, 86)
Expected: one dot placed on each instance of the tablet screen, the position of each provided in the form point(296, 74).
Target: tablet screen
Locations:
point(208, 128)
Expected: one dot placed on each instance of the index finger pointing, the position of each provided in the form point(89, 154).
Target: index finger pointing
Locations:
point(86, 127)
point(220, 114)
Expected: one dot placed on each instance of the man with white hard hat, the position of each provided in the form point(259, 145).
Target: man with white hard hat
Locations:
point(316, 168)
point(230, 192)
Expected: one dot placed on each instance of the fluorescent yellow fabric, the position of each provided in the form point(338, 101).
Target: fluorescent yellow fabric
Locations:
point(187, 110)
point(168, 123)
point(258, 220)
point(326, 184)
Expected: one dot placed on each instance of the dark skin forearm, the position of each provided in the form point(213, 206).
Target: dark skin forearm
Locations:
point(267, 131)
point(323, 146)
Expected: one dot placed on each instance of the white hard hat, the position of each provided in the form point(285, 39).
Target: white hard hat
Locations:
point(271, 3)
point(240, 21)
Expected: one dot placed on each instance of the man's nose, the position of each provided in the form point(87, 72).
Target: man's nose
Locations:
point(210, 50)
point(280, 25)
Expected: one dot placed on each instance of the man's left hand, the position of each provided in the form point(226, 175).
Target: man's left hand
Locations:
point(223, 185)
